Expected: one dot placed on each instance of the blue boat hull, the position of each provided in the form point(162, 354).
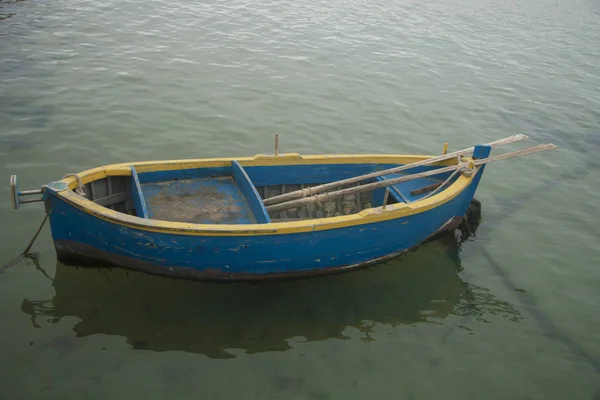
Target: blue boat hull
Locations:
point(80, 236)
point(207, 219)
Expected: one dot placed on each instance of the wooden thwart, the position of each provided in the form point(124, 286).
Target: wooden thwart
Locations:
point(345, 182)
point(376, 185)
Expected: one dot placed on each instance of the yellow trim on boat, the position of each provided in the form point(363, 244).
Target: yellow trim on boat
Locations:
point(364, 217)
point(260, 160)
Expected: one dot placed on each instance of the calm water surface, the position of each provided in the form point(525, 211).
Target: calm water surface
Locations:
point(509, 313)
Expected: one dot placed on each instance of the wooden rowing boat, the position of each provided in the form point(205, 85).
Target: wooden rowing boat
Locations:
point(267, 216)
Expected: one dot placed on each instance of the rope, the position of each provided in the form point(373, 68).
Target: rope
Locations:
point(437, 189)
point(465, 169)
point(468, 170)
point(26, 252)
point(327, 197)
point(80, 187)
point(318, 201)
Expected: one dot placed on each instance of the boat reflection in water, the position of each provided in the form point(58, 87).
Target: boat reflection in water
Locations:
point(159, 314)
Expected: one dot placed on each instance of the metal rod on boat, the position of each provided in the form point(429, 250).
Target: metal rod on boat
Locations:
point(277, 144)
point(16, 194)
point(30, 201)
point(376, 185)
point(28, 192)
point(334, 185)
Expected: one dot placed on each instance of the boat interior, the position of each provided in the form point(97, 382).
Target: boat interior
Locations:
point(234, 194)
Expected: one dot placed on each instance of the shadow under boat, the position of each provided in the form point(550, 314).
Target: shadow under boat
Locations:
point(210, 318)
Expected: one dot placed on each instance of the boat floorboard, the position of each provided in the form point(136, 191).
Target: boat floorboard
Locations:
point(200, 201)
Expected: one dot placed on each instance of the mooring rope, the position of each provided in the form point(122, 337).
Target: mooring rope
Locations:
point(25, 253)
point(80, 186)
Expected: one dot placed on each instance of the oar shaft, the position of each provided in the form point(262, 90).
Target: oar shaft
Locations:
point(334, 185)
point(388, 182)
point(516, 153)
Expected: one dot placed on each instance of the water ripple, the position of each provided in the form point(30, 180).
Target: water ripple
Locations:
point(86, 83)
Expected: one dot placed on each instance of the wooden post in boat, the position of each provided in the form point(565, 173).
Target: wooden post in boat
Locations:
point(319, 198)
point(277, 144)
point(298, 194)
point(445, 150)
point(385, 197)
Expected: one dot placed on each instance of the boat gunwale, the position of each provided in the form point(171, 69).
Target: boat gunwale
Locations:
point(367, 216)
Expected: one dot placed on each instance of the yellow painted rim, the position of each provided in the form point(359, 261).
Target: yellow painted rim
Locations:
point(368, 216)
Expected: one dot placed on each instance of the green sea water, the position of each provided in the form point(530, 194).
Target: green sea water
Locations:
point(510, 312)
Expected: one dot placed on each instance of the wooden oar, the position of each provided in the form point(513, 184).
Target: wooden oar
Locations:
point(376, 185)
point(345, 182)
